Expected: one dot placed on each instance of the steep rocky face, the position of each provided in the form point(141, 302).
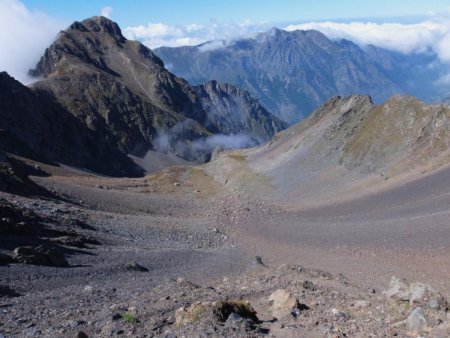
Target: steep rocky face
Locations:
point(33, 124)
point(292, 73)
point(233, 111)
point(121, 91)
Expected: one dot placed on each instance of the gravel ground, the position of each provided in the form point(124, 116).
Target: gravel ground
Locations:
point(197, 243)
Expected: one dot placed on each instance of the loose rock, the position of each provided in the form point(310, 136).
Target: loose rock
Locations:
point(282, 303)
point(136, 267)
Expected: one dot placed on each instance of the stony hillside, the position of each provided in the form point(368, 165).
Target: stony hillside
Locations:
point(118, 92)
point(292, 73)
point(399, 135)
point(344, 145)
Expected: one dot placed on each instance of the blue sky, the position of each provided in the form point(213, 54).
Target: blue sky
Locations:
point(130, 13)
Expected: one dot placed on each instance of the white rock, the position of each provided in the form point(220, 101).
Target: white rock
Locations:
point(416, 321)
point(398, 289)
point(419, 293)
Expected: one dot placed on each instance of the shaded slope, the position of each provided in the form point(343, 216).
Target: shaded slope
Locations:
point(34, 125)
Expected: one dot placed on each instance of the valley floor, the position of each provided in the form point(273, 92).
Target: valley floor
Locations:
point(198, 242)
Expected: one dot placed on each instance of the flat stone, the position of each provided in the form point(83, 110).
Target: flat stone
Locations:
point(361, 304)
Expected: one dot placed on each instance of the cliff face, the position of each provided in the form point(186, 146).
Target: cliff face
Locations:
point(233, 111)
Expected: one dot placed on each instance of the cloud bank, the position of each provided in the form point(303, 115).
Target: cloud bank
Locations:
point(155, 35)
point(432, 34)
point(24, 35)
point(173, 141)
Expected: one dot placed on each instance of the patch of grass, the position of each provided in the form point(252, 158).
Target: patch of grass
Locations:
point(196, 171)
point(237, 157)
point(192, 314)
point(129, 317)
point(196, 313)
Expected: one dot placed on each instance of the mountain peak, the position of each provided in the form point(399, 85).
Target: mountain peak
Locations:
point(101, 24)
point(82, 43)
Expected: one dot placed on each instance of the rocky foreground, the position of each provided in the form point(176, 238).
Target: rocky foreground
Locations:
point(289, 301)
point(129, 299)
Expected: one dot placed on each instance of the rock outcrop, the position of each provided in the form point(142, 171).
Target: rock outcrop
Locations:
point(233, 111)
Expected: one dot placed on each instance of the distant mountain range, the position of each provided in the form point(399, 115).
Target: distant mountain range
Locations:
point(103, 97)
point(292, 73)
point(109, 105)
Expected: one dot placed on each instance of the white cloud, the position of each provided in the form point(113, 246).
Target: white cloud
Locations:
point(432, 34)
point(106, 12)
point(24, 35)
point(155, 35)
point(213, 45)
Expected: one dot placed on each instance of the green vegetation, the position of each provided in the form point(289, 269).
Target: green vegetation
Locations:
point(129, 317)
point(193, 314)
